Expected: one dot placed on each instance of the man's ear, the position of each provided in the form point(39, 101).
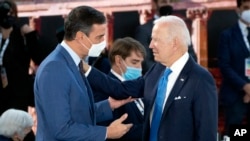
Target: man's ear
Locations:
point(15, 137)
point(79, 35)
point(118, 60)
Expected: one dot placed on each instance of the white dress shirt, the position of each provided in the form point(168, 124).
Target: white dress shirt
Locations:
point(244, 33)
point(176, 68)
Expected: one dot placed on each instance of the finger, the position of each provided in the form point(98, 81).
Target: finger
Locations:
point(129, 125)
point(130, 99)
point(122, 118)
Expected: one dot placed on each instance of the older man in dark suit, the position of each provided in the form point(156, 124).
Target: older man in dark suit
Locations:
point(180, 96)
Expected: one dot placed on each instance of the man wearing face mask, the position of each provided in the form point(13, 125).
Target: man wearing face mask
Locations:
point(126, 56)
point(233, 56)
point(64, 100)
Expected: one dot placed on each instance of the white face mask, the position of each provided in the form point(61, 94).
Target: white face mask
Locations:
point(245, 15)
point(95, 49)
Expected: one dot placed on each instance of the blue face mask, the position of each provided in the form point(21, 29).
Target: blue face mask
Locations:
point(132, 73)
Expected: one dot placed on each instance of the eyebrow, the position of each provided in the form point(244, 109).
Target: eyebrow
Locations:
point(100, 36)
point(135, 60)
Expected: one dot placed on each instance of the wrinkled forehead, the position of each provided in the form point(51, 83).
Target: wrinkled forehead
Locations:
point(160, 28)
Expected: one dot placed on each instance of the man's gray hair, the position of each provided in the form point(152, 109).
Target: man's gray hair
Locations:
point(14, 121)
point(177, 28)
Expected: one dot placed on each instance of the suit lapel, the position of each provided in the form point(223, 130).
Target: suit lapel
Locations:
point(180, 81)
point(80, 78)
point(158, 69)
point(71, 63)
point(239, 37)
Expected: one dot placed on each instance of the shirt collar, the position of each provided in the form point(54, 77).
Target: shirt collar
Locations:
point(178, 65)
point(243, 27)
point(71, 52)
point(117, 75)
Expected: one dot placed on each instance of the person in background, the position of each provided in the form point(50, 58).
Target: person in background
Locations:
point(233, 56)
point(126, 56)
point(64, 100)
point(15, 125)
point(180, 96)
point(143, 32)
point(18, 43)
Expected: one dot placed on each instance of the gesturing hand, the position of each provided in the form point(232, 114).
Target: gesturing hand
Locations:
point(117, 129)
point(118, 103)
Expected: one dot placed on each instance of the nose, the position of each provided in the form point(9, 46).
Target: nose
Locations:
point(151, 45)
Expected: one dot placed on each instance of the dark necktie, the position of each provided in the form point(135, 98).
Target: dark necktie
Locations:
point(158, 108)
point(248, 35)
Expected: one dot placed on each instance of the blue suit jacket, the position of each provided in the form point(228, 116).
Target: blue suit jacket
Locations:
point(232, 52)
point(64, 102)
point(194, 117)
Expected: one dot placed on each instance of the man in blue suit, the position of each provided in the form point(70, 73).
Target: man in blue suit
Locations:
point(233, 50)
point(189, 110)
point(64, 101)
point(126, 56)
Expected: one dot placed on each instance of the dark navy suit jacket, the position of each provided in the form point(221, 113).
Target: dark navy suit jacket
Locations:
point(64, 102)
point(2, 138)
point(194, 117)
point(232, 52)
point(134, 116)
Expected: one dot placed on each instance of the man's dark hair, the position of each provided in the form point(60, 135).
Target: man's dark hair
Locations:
point(166, 10)
point(239, 2)
point(82, 18)
point(7, 6)
point(124, 47)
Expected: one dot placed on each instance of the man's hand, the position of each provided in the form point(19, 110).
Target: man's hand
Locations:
point(85, 66)
point(246, 98)
point(118, 103)
point(26, 29)
point(246, 88)
point(117, 129)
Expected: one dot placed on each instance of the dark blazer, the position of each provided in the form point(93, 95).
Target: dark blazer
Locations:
point(3, 138)
point(64, 102)
point(191, 118)
point(16, 59)
point(134, 116)
point(232, 52)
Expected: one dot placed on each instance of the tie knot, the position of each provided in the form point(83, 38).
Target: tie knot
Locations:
point(167, 72)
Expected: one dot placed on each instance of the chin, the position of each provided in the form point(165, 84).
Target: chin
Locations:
point(156, 59)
